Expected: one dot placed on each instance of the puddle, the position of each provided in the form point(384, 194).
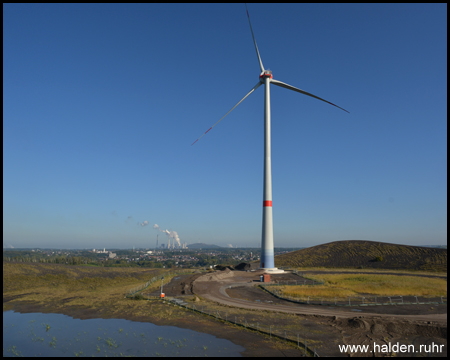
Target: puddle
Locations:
point(38, 334)
point(355, 309)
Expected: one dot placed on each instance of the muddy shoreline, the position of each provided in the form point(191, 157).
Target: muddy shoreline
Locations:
point(255, 344)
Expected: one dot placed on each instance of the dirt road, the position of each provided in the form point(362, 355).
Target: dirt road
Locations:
point(329, 325)
point(216, 286)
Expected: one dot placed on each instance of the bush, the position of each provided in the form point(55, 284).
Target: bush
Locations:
point(138, 296)
point(379, 258)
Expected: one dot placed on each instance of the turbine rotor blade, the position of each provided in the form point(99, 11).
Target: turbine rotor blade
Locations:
point(254, 88)
point(256, 46)
point(290, 87)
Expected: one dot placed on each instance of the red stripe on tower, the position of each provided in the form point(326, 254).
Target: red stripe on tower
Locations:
point(267, 203)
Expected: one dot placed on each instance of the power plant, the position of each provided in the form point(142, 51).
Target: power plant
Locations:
point(172, 235)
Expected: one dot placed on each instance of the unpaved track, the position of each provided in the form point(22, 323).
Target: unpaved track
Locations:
point(212, 287)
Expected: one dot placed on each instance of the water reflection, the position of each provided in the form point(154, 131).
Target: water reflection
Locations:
point(37, 334)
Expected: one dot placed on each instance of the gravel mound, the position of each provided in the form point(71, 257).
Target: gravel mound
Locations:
point(227, 273)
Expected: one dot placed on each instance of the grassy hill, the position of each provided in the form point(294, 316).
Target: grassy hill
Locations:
point(366, 254)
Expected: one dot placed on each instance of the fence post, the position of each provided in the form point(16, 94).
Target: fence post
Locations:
point(298, 341)
point(335, 300)
point(442, 299)
point(390, 300)
point(257, 326)
point(363, 299)
point(305, 346)
point(375, 300)
point(321, 301)
point(417, 300)
point(308, 300)
point(349, 304)
point(284, 335)
point(270, 331)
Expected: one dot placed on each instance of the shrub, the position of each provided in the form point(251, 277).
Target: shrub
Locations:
point(138, 296)
point(379, 258)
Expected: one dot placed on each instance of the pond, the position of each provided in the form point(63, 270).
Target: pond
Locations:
point(38, 334)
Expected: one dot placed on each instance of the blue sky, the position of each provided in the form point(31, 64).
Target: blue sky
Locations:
point(101, 104)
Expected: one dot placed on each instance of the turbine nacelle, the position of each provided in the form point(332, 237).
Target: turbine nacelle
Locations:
point(266, 73)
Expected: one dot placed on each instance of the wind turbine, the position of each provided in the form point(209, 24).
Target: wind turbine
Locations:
point(266, 78)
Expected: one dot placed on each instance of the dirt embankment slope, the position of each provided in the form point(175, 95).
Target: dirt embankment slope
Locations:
point(367, 254)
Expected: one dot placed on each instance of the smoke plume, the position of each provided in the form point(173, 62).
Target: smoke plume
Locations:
point(174, 234)
point(170, 234)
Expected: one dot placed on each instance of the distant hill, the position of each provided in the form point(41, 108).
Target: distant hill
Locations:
point(366, 254)
point(203, 246)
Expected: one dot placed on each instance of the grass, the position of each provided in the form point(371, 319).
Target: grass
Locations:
point(100, 290)
point(378, 271)
point(344, 285)
point(62, 285)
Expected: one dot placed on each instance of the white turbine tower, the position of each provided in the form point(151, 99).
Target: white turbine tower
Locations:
point(266, 78)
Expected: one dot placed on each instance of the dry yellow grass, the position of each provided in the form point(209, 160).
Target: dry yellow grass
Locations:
point(343, 285)
point(315, 291)
point(64, 285)
point(61, 286)
point(377, 271)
